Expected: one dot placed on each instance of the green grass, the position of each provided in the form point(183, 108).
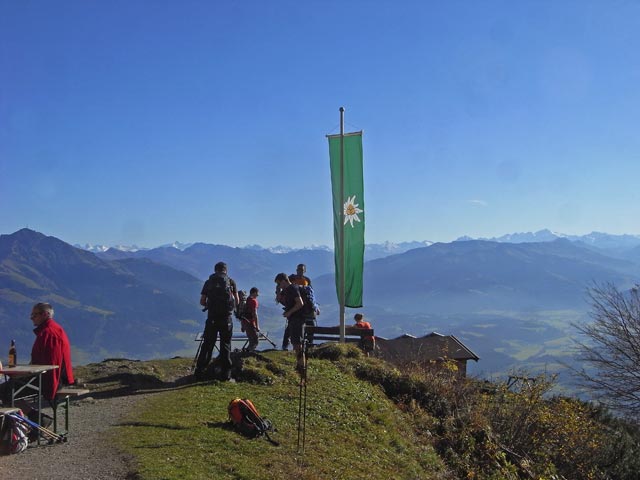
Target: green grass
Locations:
point(353, 431)
point(365, 419)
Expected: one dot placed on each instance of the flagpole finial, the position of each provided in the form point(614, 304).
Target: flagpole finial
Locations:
point(341, 109)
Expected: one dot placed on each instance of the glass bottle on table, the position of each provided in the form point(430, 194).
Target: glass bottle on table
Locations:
point(13, 355)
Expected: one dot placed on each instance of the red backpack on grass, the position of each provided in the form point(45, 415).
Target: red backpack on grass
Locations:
point(245, 418)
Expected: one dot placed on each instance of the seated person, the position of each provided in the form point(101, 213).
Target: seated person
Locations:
point(368, 343)
point(51, 347)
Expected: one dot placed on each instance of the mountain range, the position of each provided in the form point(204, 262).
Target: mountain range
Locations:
point(372, 250)
point(511, 303)
point(379, 250)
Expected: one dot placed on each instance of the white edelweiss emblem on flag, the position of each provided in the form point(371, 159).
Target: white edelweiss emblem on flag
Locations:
point(351, 211)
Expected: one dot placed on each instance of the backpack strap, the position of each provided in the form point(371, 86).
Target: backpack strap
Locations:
point(271, 441)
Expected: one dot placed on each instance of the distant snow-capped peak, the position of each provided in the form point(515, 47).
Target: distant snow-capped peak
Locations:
point(395, 247)
point(92, 248)
point(287, 249)
point(544, 235)
point(104, 248)
point(595, 239)
point(177, 245)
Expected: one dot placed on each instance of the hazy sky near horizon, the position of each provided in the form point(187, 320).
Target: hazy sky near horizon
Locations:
point(146, 122)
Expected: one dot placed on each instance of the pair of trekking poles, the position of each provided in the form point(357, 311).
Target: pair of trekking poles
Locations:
point(45, 432)
point(302, 398)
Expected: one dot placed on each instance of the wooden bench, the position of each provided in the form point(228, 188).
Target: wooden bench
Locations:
point(6, 411)
point(62, 400)
point(332, 334)
point(243, 338)
point(262, 337)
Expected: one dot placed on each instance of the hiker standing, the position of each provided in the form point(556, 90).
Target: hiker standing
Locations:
point(287, 331)
point(367, 343)
point(250, 319)
point(219, 296)
point(311, 311)
point(299, 278)
point(290, 298)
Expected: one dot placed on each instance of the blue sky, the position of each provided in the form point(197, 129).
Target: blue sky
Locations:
point(146, 122)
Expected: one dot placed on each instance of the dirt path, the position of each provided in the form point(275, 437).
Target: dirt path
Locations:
point(88, 453)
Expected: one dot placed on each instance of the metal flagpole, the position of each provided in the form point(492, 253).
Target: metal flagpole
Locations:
point(342, 274)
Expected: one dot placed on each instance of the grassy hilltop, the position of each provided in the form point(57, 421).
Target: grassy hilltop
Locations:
point(365, 420)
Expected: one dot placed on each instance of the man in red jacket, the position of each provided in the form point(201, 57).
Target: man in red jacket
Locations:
point(51, 347)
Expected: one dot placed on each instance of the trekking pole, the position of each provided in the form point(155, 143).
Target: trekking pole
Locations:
point(300, 422)
point(302, 400)
point(266, 338)
point(304, 413)
point(48, 433)
point(195, 359)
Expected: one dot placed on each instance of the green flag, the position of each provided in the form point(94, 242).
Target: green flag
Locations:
point(349, 203)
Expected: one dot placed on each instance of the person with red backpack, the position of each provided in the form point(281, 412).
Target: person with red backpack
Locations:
point(219, 296)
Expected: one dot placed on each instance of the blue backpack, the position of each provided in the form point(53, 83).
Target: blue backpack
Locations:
point(309, 300)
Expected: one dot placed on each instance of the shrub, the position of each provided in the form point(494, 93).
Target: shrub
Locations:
point(335, 351)
point(500, 431)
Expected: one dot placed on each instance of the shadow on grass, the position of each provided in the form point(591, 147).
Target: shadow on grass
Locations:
point(151, 447)
point(222, 425)
point(155, 425)
point(118, 384)
point(131, 384)
point(127, 384)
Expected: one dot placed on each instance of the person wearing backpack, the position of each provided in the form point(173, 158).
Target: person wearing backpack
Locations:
point(219, 296)
point(299, 278)
point(292, 303)
point(250, 319)
point(310, 309)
